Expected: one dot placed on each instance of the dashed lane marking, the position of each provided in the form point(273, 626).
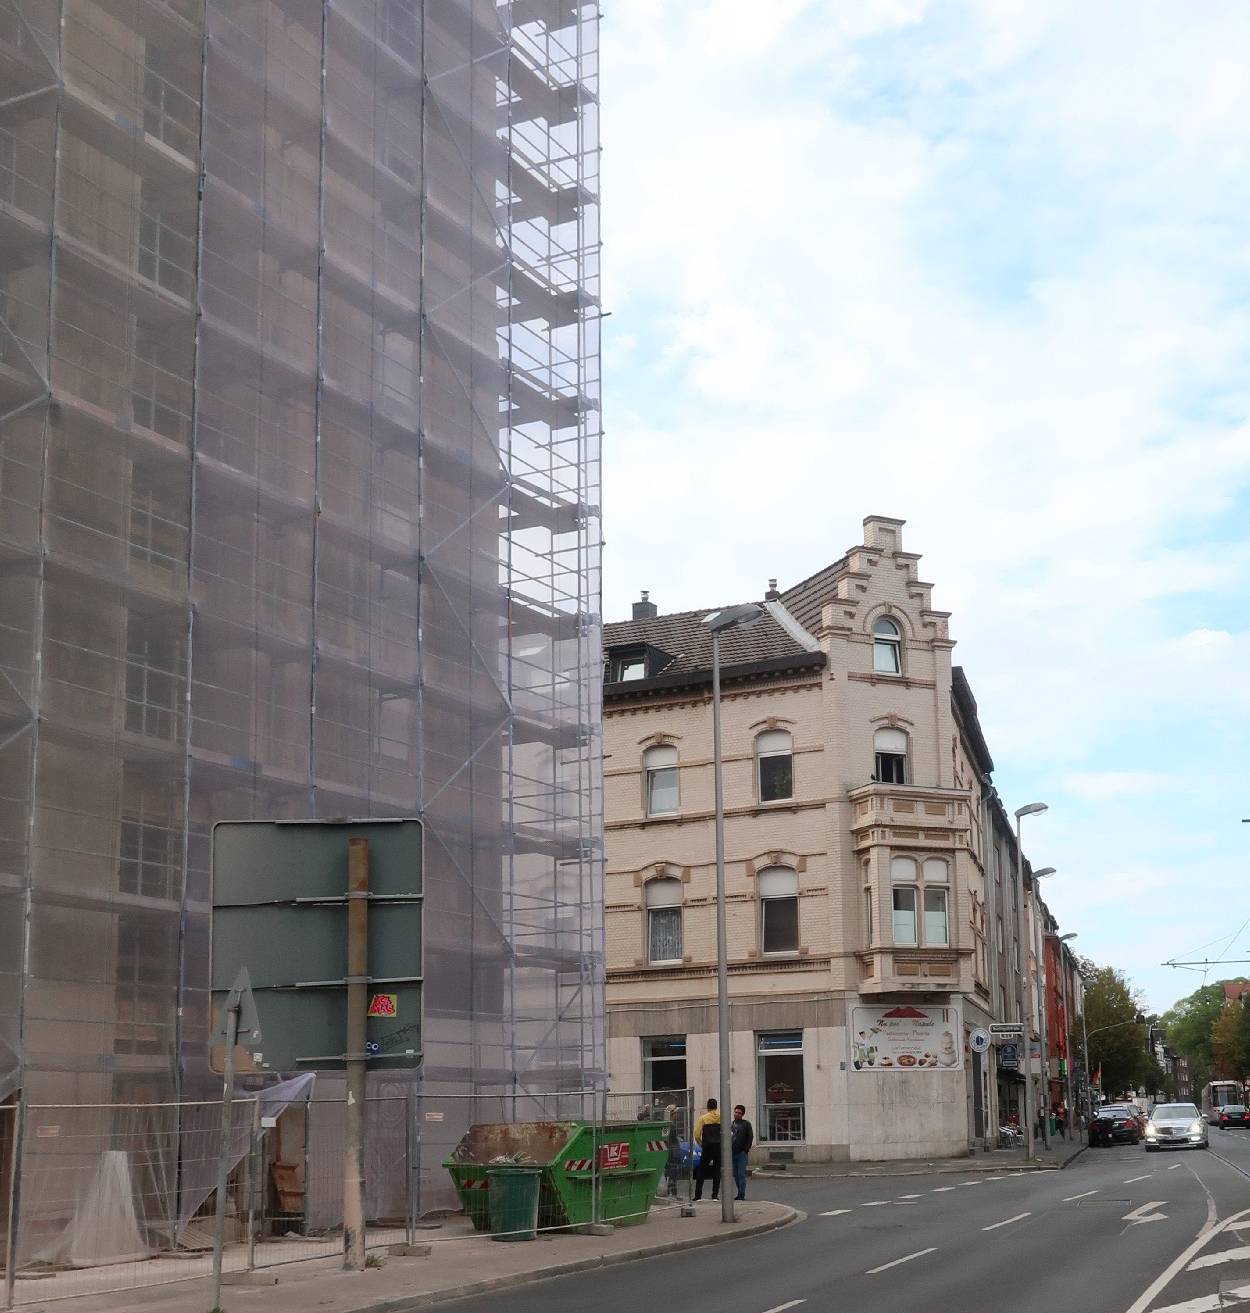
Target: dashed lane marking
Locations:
point(970, 1183)
point(920, 1253)
point(835, 1212)
point(1071, 1197)
point(1131, 1179)
point(875, 1203)
point(1237, 1255)
point(909, 1196)
point(941, 1189)
point(1174, 1166)
point(780, 1308)
point(1019, 1217)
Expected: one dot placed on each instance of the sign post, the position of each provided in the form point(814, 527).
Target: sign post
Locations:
point(356, 1059)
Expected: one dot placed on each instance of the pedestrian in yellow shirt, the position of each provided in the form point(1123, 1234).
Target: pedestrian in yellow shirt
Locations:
point(707, 1136)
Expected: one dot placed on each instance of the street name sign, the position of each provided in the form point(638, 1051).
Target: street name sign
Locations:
point(280, 910)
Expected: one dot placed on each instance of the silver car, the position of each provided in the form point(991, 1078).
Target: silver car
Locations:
point(1176, 1126)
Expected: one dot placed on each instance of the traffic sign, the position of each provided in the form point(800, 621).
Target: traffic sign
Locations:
point(1009, 1057)
point(280, 910)
point(979, 1040)
point(1002, 1031)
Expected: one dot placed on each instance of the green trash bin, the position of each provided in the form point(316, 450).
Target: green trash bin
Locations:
point(513, 1193)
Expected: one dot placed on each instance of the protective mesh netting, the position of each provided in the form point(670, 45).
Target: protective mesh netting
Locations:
point(299, 508)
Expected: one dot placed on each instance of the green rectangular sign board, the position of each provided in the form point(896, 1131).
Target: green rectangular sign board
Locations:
point(280, 911)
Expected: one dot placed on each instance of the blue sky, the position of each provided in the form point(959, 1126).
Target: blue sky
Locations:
point(985, 267)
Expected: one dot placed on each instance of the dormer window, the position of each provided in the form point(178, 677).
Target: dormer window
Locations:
point(887, 647)
point(626, 666)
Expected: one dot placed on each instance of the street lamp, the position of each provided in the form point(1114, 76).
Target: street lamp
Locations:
point(718, 622)
point(1025, 985)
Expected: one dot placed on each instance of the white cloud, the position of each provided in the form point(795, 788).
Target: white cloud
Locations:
point(1100, 786)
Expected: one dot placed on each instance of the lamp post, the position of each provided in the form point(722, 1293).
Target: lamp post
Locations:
point(1043, 993)
point(1067, 1019)
point(1033, 809)
point(718, 622)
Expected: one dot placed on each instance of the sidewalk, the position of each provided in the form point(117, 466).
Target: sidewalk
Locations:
point(1060, 1154)
point(460, 1263)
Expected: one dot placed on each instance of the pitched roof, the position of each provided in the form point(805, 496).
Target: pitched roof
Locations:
point(685, 637)
point(806, 598)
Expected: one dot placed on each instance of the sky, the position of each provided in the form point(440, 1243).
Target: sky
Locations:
point(984, 267)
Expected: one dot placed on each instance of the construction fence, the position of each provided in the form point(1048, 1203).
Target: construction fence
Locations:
point(109, 1197)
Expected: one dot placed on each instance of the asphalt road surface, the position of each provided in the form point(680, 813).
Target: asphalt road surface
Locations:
point(1118, 1231)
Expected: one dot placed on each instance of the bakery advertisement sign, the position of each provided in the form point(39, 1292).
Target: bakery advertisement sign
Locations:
point(905, 1037)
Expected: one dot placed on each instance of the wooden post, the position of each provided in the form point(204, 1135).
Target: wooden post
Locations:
point(356, 1063)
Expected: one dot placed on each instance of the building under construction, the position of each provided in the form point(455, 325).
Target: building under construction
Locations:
point(299, 507)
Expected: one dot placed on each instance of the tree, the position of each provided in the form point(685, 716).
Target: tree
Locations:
point(1119, 1047)
point(1190, 1024)
point(1224, 1043)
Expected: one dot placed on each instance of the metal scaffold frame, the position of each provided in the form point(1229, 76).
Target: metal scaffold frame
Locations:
point(299, 507)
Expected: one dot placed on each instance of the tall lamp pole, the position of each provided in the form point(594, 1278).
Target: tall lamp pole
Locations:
point(718, 622)
point(1033, 809)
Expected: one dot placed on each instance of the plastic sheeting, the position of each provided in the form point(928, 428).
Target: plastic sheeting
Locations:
point(104, 1228)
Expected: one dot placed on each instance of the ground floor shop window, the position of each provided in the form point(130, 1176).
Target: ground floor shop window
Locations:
point(779, 1076)
point(664, 1062)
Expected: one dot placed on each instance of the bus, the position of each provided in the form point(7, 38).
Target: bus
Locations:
point(1218, 1093)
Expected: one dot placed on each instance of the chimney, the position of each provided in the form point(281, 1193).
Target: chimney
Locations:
point(645, 610)
point(772, 595)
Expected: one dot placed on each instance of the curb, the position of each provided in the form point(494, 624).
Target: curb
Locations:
point(971, 1167)
point(410, 1303)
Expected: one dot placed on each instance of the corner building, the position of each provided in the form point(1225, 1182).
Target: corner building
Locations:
point(855, 824)
point(299, 490)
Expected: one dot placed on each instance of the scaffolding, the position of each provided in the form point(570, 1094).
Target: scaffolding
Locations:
point(299, 507)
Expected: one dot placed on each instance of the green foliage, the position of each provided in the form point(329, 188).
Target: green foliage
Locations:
point(1120, 1046)
point(1216, 1041)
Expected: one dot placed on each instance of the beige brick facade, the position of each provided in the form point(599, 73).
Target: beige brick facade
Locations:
point(840, 833)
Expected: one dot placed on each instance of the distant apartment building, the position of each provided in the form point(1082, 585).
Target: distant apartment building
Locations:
point(870, 869)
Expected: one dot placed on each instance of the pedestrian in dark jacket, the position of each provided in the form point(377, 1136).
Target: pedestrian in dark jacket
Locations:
point(741, 1138)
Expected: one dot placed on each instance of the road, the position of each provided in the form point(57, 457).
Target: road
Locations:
point(1118, 1231)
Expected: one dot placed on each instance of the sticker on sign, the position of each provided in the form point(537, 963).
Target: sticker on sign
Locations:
point(614, 1155)
point(384, 1005)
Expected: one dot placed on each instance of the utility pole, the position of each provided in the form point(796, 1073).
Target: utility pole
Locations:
point(356, 1057)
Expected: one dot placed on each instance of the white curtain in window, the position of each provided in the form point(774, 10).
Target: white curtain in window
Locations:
point(664, 892)
point(903, 870)
point(660, 764)
point(935, 929)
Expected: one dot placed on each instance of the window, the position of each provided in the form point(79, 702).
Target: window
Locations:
point(779, 910)
point(663, 900)
point(935, 927)
point(664, 1062)
point(774, 765)
point(868, 916)
point(904, 916)
point(891, 749)
point(779, 1076)
point(660, 767)
point(887, 647)
point(998, 935)
point(624, 666)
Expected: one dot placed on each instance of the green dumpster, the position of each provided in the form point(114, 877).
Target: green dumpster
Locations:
point(590, 1172)
point(512, 1194)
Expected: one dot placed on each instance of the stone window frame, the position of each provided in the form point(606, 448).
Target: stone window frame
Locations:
point(920, 885)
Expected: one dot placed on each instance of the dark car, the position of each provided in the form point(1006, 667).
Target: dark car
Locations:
point(1231, 1114)
point(1115, 1124)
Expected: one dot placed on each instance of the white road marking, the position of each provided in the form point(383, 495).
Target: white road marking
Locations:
point(1205, 1303)
point(909, 1196)
point(941, 1189)
point(1175, 1166)
point(993, 1178)
point(1131, 1179)
point(1070, 1197)
point(779, 1308)
point(1224, 1256)
point(1139, 1214)
point(875, 1203)
point(920, 1253)
point(1019, 1217)
point(970, 1183)
point(1146, 1298)
point(835, 1212)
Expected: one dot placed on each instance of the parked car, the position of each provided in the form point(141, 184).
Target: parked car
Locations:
point(1115, 1123)
point(1177, 1126)
point(1231, 1114)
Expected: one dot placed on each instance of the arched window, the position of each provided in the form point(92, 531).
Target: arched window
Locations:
point(887, 647)
point(663, 902)
point(779, 909)
point(891, 756)
point(774, 765)
point(660, 769)
point(921, 901)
